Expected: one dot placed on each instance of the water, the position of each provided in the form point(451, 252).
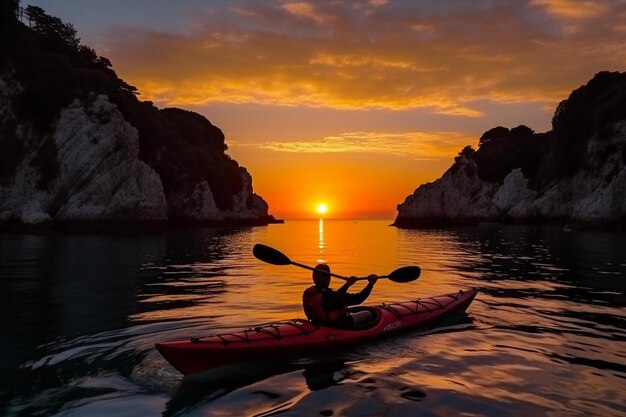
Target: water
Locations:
point(546, 335)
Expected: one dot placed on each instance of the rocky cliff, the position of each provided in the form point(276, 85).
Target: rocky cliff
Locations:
point(79, 150)
point(574, 174)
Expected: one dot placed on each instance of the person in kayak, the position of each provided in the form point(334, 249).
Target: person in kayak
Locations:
point(324, 305)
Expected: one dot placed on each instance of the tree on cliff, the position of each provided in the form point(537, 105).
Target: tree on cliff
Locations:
point(467, 152)
point(500, 132)
point(591, 108)
point(52, 27)
point(493, 134)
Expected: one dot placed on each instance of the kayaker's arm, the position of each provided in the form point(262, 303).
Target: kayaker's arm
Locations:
point(365, 292)
point(349, 282)
point(337, 300)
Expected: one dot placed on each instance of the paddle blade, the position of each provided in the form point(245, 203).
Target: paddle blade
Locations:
point(270, 255)
point(405, 274)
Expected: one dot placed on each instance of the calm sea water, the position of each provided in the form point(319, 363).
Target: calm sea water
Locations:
point(546, 336)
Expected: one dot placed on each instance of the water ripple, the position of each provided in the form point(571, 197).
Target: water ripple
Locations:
point(546, 335)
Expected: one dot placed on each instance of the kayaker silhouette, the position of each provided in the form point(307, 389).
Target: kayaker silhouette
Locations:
point(324, 305)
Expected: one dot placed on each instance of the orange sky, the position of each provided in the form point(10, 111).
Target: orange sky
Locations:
point(353, 102)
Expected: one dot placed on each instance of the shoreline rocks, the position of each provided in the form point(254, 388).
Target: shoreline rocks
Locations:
point(574, 175)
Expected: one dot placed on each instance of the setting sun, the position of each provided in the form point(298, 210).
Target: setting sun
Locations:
point(322, 208)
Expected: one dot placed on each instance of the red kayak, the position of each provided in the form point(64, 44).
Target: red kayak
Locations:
point(301, 336)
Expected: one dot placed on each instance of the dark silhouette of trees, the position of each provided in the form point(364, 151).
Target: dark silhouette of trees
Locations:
point(57, 69)
point(601, 101)
point(493, 134)
point(590, 109)
point(499, 133)
point(502, 149)
point(521, 131)
point(467, 152)
point(52, 27)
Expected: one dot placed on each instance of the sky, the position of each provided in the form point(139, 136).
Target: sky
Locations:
point(353, 103)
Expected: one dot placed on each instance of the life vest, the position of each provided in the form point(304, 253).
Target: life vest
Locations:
point(312, 303)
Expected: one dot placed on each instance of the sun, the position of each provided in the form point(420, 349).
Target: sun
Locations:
point(322, 208)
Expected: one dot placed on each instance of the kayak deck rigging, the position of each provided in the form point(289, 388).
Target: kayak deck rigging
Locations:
point(419, 303)
point(244, 336)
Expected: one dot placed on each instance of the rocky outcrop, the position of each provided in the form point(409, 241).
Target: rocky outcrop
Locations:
point(93, 153)
point(459, 194)
point(78, 150)
point(194, 203)
point(86, 171)
point(202, 184)
point(523, 177)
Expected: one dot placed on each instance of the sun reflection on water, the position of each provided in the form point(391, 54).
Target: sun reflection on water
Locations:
point(320, 243)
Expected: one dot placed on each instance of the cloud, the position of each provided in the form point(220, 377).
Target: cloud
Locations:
point(441, 56)
point(307, 10)
point(579, 9)
point(415, 145)
point(378, 3)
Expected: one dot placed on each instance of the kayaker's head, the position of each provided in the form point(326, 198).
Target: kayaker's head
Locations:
point(321, 276)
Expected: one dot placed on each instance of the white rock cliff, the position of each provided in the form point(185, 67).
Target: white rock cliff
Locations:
point(595, 194)
point(97, 174)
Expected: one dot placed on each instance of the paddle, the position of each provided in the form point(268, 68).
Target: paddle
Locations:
point(275, 257)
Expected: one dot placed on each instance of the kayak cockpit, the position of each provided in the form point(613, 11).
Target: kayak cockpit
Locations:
point(353, 312)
